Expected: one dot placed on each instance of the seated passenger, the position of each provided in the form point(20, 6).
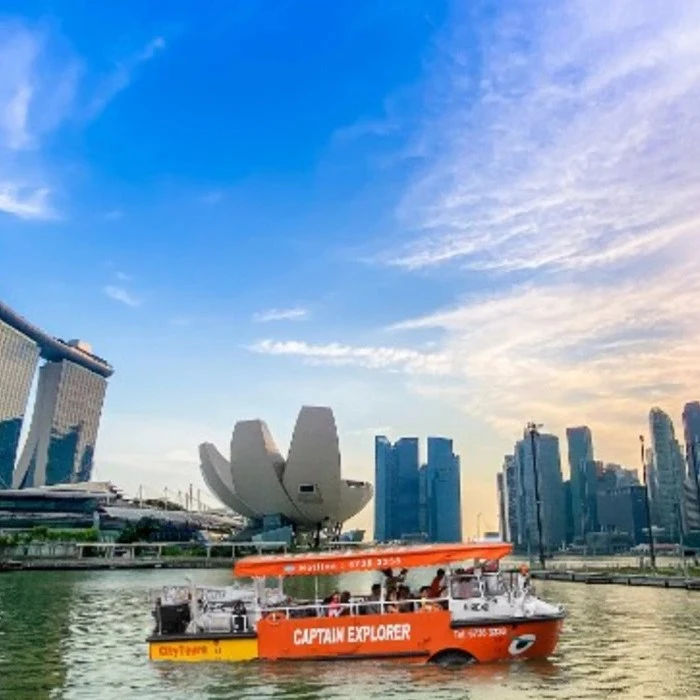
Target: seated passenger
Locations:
point(437, 586)
point(391, 606)
point(404, 595)
point(426, 604)
point(334, 606)
point(345, 603)
point(373, 605)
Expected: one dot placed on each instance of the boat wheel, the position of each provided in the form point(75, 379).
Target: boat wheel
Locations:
point(452, 658)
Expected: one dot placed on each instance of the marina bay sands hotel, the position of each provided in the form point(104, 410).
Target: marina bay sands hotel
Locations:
point(70, 391)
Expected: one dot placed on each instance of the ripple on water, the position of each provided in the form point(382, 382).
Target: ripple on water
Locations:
point(81, 635)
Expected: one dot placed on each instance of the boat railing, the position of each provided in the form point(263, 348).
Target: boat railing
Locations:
point(354, 608)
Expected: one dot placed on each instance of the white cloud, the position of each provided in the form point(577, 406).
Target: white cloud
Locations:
point(566, 144)
point(25, 202)
point(388, 358)
point(296, 313)
point(212, 197)
point(122, 74)
point(122, 295)
point(601, 354)
point(42, 85)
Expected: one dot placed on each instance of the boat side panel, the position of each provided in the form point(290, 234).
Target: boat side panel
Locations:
point(204, 650)
point(399, 634)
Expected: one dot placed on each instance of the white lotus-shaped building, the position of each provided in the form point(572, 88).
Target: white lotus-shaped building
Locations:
point(306, 490)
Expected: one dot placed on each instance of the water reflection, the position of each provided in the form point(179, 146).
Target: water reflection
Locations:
point(34, 624)
point(81, 635)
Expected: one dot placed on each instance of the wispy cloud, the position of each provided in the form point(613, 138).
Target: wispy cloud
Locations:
point(212, 197)
point(37, 89)
point(388, 358)
point(25, 202)
point(121, 295)
point(567, 144)
point(295, 313)
point(43, 84)
point(121, 75)
point(560, 174)
point(596, 353)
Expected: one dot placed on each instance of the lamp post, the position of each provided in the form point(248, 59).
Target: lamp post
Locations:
point(532, 429)
point(652, 553)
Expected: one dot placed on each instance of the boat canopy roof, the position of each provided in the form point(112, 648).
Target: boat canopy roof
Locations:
point(407, 557)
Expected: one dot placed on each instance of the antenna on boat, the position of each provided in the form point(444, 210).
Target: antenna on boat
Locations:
point(533, 429)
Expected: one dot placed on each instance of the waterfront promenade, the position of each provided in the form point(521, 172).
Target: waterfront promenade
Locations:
point(57, 556)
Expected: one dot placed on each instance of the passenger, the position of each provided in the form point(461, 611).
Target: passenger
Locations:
point(334, 606)
point(345, 603)
point(391, 606)
point(393, 582)
point(404, 595)
point(426, 604)
point(437, 586)
point(373, 605)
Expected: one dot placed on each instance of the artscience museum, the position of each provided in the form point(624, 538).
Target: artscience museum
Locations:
point(305, 490)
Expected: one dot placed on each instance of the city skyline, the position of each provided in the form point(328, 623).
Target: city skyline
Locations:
point(488, 219)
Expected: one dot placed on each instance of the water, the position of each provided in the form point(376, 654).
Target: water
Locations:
point(81, 635)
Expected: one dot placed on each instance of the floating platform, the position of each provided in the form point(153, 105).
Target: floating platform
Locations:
point(599, 578)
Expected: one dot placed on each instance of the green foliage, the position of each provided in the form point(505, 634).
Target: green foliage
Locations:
point(41, 534)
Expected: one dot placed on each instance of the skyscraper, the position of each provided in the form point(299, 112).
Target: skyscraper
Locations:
point(580, 443)
point(70, 392)
point(383, 476)
point(668, 472)
point(397, 488)
point(413, 501)
point(691, 434)
point(19, 357)
point(501, 496)
point(509, 486)
point(551, 491)
point(63, 431)
point(443, 487)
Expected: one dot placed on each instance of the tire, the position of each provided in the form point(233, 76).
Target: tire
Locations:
point(452, 658)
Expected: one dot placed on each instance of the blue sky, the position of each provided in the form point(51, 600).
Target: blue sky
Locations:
point(438, 218)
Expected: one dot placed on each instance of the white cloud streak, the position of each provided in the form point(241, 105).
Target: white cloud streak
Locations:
point(296, 313)
point(386, 358)
point(121, 295)
point(572, 146)
point(42, 85)
point(25, 202)
point(122, 75)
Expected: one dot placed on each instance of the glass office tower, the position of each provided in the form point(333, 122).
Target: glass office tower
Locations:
point(580, 443)
point(551, 491)
point(61, 441)
point(396, 509)
point(668, 472)
point(444, 497)
point(19, 357)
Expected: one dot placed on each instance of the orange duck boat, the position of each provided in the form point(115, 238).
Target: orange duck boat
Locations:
point(475, 614)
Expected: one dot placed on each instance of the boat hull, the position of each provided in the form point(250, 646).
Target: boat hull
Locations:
point(411, 636)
